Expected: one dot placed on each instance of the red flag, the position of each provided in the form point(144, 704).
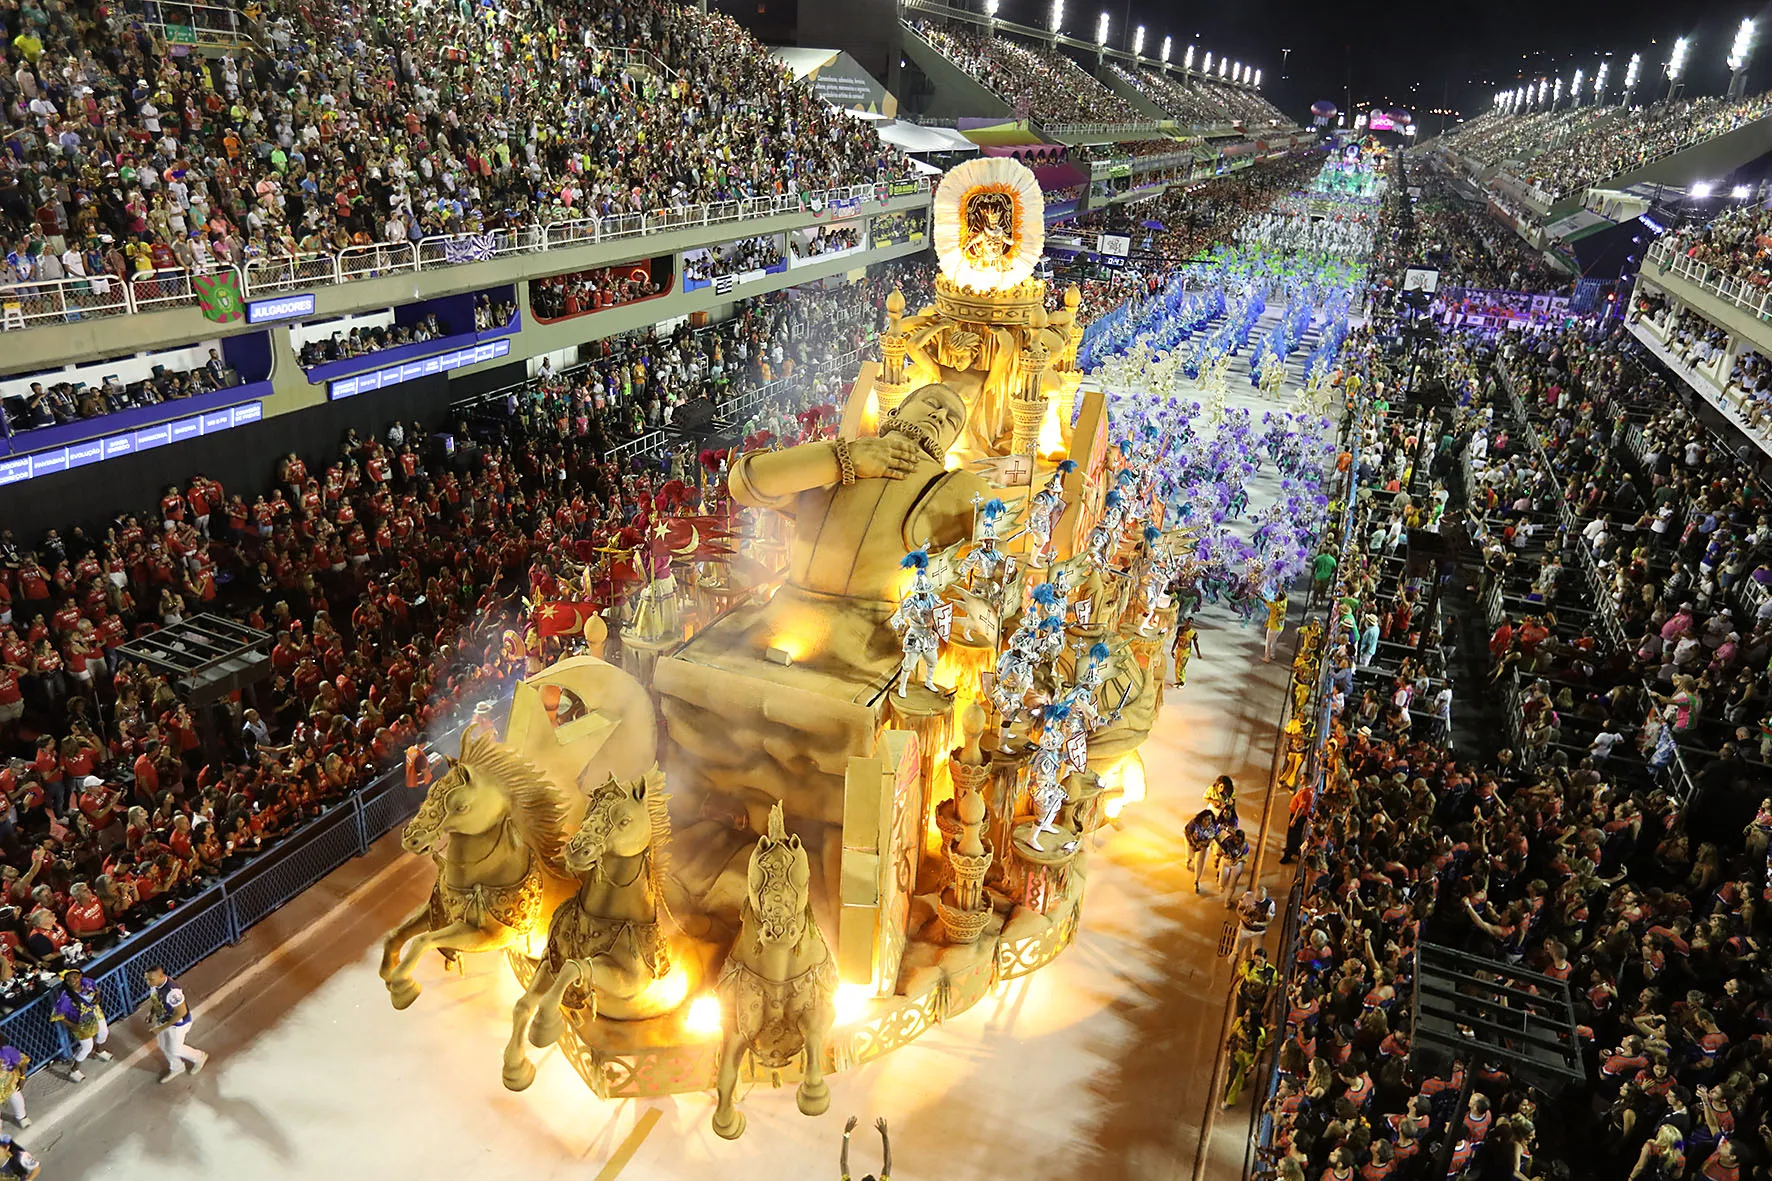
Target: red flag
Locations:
point(562, 617)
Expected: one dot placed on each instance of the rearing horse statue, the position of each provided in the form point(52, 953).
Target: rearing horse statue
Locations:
point(777, 990)
point(504, 822)
point(607, 951)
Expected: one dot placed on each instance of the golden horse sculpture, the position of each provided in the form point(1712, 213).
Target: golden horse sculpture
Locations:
point(607, 951)
point(500, 822)
point(778, 986)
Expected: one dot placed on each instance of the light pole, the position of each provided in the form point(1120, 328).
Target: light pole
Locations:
point(1676, 68)
point(1739, 53)
point(1285, 55)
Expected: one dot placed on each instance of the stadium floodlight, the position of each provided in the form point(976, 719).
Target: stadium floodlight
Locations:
point(1167, 43)
point(1138, 42)
point(1575, 90)
point(1741, 192)
point(1600, 82)
point(1738, 58)
point(990, 8)
point(1676, 61)
point(1187, 59)
point(1520, 97)
point(1057, 15)
point(1101, 28)
point(1702, 189)
point(1676, 68)
point(1208, 66)
point(1557, 93)
point(1633, 71)
point(1224, 66)
point(1236, 71)
point(1744, 44)
point(1258, 79)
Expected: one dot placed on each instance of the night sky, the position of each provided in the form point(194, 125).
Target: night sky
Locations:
point(1415, 55)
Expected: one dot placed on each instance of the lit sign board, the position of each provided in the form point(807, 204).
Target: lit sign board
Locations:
point(284, 307)
point(17, 469)
point(381, 379)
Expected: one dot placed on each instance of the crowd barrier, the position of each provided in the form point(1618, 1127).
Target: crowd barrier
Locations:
point(225, 910)
point(69, 300)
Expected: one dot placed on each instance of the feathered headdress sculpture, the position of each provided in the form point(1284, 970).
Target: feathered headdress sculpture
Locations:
point(1098, 651)
point(915, 560)
point(990, 226)
point(1067, 467)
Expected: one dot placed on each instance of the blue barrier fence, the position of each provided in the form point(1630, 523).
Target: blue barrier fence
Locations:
point(225, 910)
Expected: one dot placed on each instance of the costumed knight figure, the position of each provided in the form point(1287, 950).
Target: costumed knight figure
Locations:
point(1045, 509)
point(922, 622)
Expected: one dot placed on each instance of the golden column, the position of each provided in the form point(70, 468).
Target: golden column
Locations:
point(962, 905)
point(1028, 402)
point(893, 385)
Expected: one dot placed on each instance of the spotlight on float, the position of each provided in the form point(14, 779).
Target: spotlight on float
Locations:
point(1741, 192)
point(1701, 189)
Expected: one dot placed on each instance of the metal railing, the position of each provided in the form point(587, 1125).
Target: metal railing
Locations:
point(1749, 296)
point(25, 305)
point(225, 909)
point(1605, 601)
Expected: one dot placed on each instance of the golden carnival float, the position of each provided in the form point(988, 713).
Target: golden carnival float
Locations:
point(888, 721)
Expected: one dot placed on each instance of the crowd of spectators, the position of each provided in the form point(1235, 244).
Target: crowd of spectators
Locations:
point(1035, 80)
point(1199, 104)
point(1732, 243)
point(65, 401)
point(1471, 249)
point(826, 240)
point(1582, 856)
point(332, 131)
point(359, 342)
point(1563, 152)
point(733, 258)
point(626, 386)
point(380, 580)
point(560, 296)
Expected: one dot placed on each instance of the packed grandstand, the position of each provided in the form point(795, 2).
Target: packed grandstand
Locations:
point(1540, 736)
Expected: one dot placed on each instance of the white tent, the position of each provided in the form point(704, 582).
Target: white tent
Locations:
point(913, 137)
